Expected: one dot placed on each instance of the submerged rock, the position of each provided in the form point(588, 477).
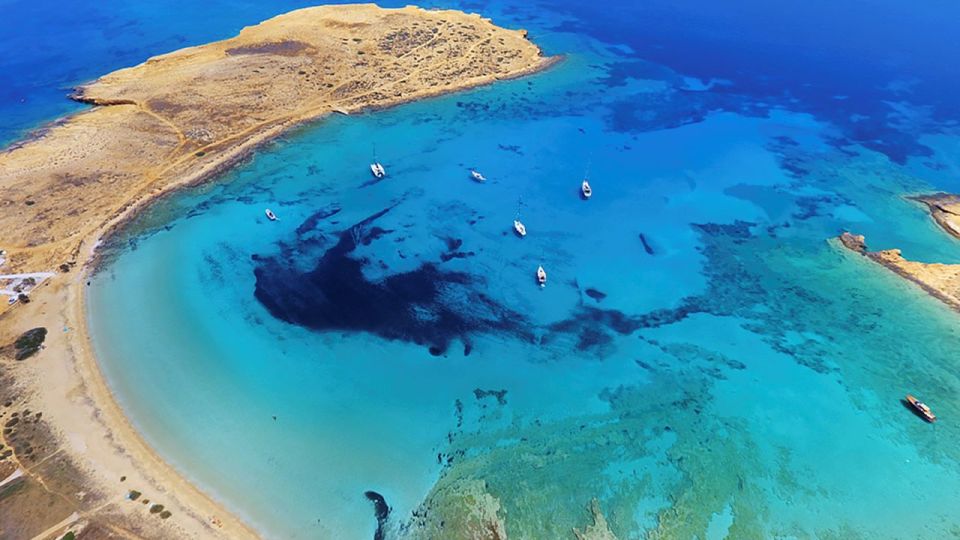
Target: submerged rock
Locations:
point(598, 530)
point(382, 512)
point(854, 242)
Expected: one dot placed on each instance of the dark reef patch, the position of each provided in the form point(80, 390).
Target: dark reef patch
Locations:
point(500, 395)
point(646, 244)
point(595, 294)
point(510, 148)
point(453, 250)
point(382, 512)
point(593, 326)
point(427, 306)
point(311, 222)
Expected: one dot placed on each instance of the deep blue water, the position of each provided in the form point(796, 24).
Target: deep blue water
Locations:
point(703, 362)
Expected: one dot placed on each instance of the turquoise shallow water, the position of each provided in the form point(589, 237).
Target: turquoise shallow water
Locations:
point(729, 374)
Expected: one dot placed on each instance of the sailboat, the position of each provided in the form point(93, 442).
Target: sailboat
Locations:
point(518, 225)
point(541, 276)
point(477, 176)
point(585, 189)
point(270, 215)
point(376, 167)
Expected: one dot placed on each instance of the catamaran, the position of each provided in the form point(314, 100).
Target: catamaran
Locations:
point(270, 215)
point(520, 228)
point(477, 176)
point(541, 276)
point(376, 167)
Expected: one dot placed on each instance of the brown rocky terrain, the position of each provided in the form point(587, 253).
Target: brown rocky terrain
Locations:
point(942, 281)
point(184, 116)
point(944, 209)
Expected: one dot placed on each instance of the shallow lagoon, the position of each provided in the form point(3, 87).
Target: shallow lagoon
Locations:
point(741, 376)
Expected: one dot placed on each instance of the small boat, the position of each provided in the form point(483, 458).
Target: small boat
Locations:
point(921, 408)
point(585, 189)
point(541, 276)
point(520, 228)
point(377, 169)
point(477, 176)
point(270, 215)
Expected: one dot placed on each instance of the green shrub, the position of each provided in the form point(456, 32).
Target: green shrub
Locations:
point(29, 343)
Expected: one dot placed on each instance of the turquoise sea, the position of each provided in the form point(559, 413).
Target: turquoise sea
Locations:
point(703, 361)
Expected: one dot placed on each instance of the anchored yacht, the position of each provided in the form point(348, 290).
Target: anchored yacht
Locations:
point(520, 228)
point(921, 408)
point(541, 276)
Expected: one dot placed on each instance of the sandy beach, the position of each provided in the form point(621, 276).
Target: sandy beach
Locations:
point(172, 122)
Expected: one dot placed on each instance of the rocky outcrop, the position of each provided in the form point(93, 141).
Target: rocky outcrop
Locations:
point(941, 281)
point(944, 209)
point(599, 530)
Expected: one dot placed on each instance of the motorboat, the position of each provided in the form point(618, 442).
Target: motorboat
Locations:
point(585, 189)
point(270, 215)
point(377, 169)
point(921, 408)
point(477, 176)
point(541, 276)
point(520, 228)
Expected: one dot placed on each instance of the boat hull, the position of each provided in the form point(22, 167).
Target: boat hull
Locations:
point(922, 410)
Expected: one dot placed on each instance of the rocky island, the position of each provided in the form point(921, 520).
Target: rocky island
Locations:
point(69, 460)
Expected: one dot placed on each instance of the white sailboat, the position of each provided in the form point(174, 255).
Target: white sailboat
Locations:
point(541, 276)
point(585, 189)
point(270, 215)
point(477, 176)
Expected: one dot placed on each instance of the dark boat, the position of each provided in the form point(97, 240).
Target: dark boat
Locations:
point(921, 408)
